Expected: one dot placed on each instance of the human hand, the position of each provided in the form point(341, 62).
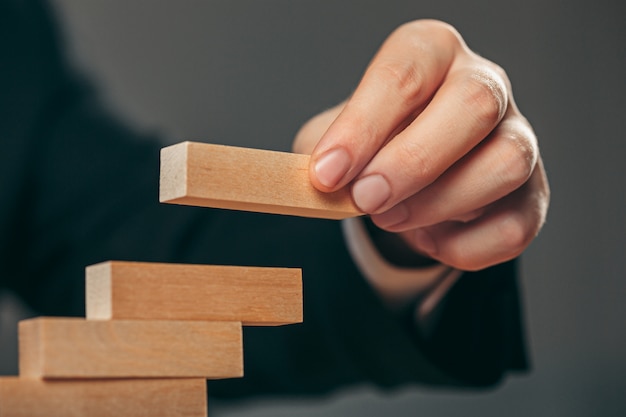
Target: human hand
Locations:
point(435, 149)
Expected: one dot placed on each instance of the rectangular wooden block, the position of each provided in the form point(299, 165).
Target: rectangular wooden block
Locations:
point(21, 397)
point(200, 174)
point(78, 348)
point(160, 291)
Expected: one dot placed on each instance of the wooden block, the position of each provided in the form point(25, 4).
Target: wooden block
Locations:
point(79, 348)
point(21, 397)
point(158, 291)
point(200, 174)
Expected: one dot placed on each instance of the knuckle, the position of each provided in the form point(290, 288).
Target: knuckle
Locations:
point(486, 97)
point(518, 157)
point(514, 233)
point(415, 162)
point(407, 75)
point(433, 27)
point(403, 77)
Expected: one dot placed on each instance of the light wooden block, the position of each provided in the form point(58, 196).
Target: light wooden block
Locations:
point(21, 397)
point(200, 174)
point(159, 291)
point(78, 348)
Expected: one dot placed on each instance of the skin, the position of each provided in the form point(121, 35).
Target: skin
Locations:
point(435, 149)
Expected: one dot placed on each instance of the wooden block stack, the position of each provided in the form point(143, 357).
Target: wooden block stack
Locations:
point(153, 332)
point(152, 336)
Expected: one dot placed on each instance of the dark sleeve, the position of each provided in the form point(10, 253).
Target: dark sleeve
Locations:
point(79, 188)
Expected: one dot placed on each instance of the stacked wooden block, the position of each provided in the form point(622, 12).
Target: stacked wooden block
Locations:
point(154, 333)
point(201, 174)
point(152, 336)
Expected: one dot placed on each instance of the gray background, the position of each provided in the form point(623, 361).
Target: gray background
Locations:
point(249, 72)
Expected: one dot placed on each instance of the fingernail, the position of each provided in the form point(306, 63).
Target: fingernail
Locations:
point(392, 217)
point(424, 242)
point(332, 167)
point(371, 192)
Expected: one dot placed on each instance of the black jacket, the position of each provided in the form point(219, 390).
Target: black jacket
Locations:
point(77, 188)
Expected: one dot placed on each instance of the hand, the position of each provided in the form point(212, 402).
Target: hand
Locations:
point(435, 149)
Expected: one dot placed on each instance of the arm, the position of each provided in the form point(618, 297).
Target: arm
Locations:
point(436, 151)
point(79, 188)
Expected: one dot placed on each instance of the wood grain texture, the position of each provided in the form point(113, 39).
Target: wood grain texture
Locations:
point(159, 291)
point(78, 348)
point(200, 174)
point(22, 397)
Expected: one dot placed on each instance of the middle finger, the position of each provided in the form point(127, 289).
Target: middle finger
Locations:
point(467, 107)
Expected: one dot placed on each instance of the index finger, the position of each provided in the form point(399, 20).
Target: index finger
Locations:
point(397, 85)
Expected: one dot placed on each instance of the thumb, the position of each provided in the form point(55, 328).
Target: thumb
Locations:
point(312, 131)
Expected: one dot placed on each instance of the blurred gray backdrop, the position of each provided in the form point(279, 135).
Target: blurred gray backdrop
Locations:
point(249, 72)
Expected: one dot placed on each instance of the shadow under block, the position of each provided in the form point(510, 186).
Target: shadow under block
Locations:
point(228, 177)
point(161, 291)
point(23, 397)
point(51, 347)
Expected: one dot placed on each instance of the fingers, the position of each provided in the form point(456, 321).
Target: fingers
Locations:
point(495, 168)
point(504, 230)
point(400, 81)
point(465, 109)
point(424, 103)
point(434, 148)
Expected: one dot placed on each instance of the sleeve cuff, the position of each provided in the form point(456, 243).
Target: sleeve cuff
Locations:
point(398, 285)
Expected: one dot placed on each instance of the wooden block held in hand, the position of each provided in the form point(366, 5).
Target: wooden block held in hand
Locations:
point(23, 397)
point(51, 347)
point(160, 291)
point(200, 174)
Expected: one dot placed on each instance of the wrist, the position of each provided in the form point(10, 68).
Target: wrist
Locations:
point(407, 277)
